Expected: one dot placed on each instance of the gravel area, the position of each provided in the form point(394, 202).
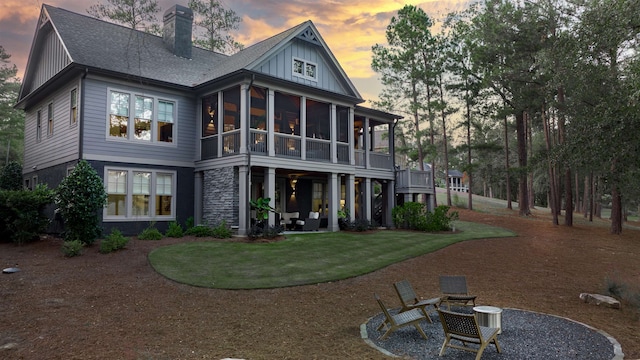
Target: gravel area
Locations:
point(525, 336)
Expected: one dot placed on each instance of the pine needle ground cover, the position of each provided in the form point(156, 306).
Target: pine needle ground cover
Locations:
point(303, 258)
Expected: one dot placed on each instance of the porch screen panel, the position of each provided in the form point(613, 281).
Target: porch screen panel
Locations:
point(210, 115)
point(287, 114)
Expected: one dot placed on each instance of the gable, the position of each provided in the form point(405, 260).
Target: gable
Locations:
point(305, 59)
point(47, 58)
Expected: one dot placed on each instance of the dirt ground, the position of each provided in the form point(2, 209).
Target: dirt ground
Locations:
point(116, 306)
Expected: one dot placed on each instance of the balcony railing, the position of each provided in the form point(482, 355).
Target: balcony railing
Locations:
point(359, 154)
point(287, 145)
point(258, 142)
point(414, 179)
point(318, 149)
point(343, 153)
point(231, 142)
point(380, 161)
point(209, 148)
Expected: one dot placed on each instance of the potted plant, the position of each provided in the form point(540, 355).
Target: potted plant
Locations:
point(343, 218)
point(262, 208)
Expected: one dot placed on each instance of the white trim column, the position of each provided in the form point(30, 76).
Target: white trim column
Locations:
point(350, 194)
point(390, 197)
point(220, 122)
point(303, 127)
point(243, 201)
point(333, 134)
point(334, 202)
point(366, 138)
point(352, 142)
point(244, 118)
point(270, 189)
point(271, 102)
point(368, 198)
point(197, 195)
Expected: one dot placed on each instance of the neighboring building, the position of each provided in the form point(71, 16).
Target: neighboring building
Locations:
point(455, 181)
point(177, 131)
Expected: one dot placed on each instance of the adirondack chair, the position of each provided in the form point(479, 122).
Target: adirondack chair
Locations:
point(454, 291)
point(465, 328)
point(396, 321)
point(410, 300)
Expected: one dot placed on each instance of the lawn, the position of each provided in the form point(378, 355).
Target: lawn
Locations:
point(303, 258)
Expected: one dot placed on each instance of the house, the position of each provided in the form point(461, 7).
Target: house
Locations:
point(455, 181)
point(177, 131)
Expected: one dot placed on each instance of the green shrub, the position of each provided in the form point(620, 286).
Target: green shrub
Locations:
point(72, 248)
point(11, 176)
point(257, 231)
point(414, 216)
point(174, 230)
point(190, 222)
point(222, 231)
point(200, 231)
point(114, 241)
point(22, 216)
point(150, 233)
point(79, 197)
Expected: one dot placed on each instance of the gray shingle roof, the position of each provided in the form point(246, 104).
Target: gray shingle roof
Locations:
point(111, 47)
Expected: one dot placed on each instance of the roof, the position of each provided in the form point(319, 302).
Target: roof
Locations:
point(455, 173)
point(113, 48)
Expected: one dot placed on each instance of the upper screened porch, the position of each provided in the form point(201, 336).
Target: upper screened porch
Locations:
point(299, 128)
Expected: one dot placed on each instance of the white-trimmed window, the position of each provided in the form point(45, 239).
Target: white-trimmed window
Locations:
point(73, 107)
point(152, 118)
point(134, 194)
point(305, 69)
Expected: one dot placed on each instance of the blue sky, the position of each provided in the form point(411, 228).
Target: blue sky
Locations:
point(349, 27)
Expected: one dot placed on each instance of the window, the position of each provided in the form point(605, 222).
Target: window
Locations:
point(165, 121)
point(50, 119)
point(38, 125)
point(73, 111)
point(258, 108)
point(152, 119)
point(119, 114)
point(135, 194)
point(305, 69)
point(142, 120)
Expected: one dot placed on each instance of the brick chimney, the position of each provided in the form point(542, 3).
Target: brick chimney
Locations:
point(177, 30)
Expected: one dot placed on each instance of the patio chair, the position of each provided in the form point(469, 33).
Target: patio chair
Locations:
point(288, 219)
point(410, 300)
point(465, 328)
point(311, 223)
point(396, 321)
point(454, 290)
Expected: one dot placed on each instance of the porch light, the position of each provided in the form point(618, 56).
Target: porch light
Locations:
point(293, 180)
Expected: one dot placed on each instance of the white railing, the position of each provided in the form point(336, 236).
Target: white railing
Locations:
point(414, 179)
point(318, 149)
point(380, 161)
point(343, 153)
point(231, 143)
point(287, 145)
point(359, 154)
point(258, 142)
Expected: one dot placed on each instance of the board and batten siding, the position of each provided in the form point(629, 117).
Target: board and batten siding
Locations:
point(51, 59)
point(60, 147)
point(281, 65)
point(98, 146)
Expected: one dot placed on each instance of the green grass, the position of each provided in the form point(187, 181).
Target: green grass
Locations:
point(304, 258)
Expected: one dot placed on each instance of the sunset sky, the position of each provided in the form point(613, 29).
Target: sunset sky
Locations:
point(349, 27)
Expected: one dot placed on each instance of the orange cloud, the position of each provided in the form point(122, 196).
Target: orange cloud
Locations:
point(14, 9)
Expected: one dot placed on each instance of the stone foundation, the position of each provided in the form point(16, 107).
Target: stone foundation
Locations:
point(220, 196)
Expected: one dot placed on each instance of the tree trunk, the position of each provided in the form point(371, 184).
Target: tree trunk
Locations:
point(616, 201)
point(527, 124)
point(443, 114)
point(506, 156)
point(469, 168)
point(568, 191)
point(586, 197)
point(553, 199)
point(523, 193)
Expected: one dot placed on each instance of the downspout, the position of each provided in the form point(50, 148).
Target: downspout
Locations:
point(392, 146)
point(248, 140)
point(81, 131)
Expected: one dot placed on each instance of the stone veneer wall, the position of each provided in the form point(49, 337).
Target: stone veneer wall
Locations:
point(220, 196)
